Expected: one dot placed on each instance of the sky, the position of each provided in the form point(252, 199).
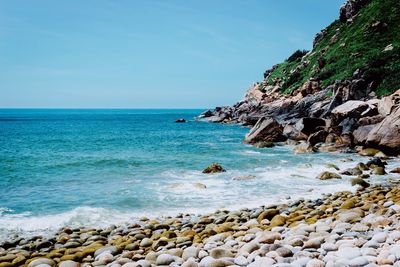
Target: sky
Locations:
point(149, 53)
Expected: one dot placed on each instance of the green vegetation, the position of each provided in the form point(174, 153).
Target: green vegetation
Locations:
point(298, 54)
point(346, 47)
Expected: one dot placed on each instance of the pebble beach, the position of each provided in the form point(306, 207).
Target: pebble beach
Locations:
point(359, 228)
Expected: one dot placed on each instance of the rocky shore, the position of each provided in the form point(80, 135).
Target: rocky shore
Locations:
point(341, 229)
point(301, 101)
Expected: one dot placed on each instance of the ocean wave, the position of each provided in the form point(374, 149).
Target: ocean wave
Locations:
point(181, 191)
point(28, 225)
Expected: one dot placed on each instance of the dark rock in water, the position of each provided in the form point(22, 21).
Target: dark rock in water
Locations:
point(378, 171)
point(265, 130)
point(360, 182)
point(375, 162)
point(351, 172)
point(214, 168)
point(180, 120)
point(206, 114)
point(264, 144)
point(328, 175)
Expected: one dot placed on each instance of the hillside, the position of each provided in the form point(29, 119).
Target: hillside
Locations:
point(368, 40)
point(341, 95)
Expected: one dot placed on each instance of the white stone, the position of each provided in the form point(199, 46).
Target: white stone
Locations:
point(262, 262)
point(329, 247)
point(348, 253)
point(359, 261)
point(241, 260)
point(165, 259)
point(379, 237)
point(190, 252)
point(315, 263)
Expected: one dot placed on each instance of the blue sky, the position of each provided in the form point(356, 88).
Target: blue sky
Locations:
point(147, 54)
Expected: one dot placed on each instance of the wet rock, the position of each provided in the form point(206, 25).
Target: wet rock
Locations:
point(214, 168)
point(303, 148)
point(180, 121)
point(317, 137)
point(351, 171)
point(328, 175)
point(395, 170)
point(333, 166)
point(369, 152)
point(360, 182)
point(375, 162)
point(378, 171)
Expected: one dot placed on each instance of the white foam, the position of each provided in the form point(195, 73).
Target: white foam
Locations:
point(273, 183)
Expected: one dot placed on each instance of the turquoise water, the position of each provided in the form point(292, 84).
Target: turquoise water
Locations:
point(97, 167)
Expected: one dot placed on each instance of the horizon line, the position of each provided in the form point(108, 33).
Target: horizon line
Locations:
point(146, 108)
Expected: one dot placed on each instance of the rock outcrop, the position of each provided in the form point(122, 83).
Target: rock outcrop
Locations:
point(293, 103)
point(265, 130)
point(386, 134)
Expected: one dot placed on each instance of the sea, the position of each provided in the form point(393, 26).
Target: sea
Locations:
point(97, 167)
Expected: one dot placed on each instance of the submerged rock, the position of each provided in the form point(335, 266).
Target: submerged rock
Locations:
point(244, 178)
point(199, 185)
point(359, 181)
point(214, 168)
point(328, 175)
point(369, 152)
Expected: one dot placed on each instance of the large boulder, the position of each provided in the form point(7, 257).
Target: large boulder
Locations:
point(350, 109)
point(265, 130)
point(385, 106)
point(361, 134)
point(317, 137)
point(291, 132)
point(386, 134)
point(309, 126)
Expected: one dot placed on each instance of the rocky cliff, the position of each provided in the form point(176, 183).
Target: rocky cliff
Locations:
point(341, 94)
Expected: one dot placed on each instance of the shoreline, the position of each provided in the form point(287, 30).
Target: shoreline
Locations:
point(259, 236)
point(311, 189)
